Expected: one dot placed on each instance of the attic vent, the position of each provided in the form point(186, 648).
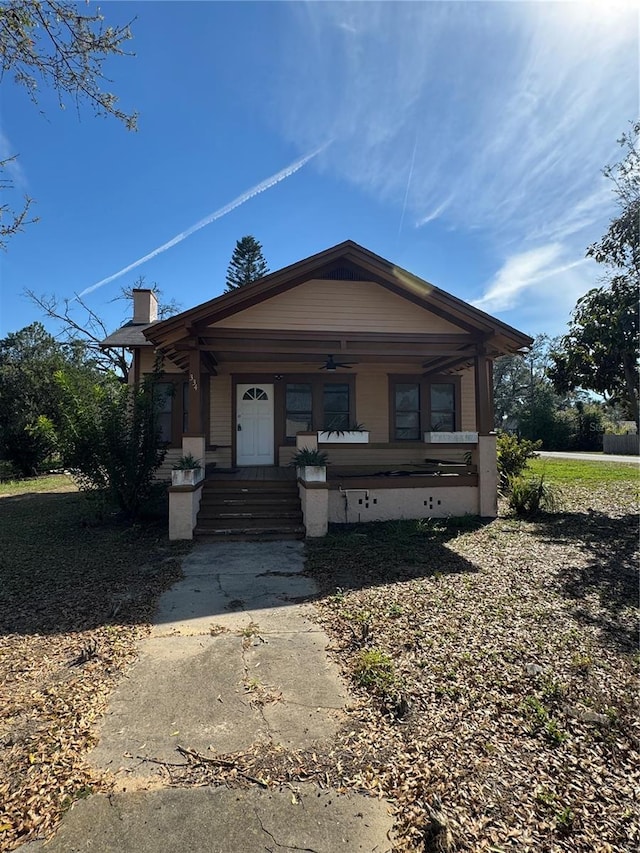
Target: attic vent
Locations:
point(341, 274)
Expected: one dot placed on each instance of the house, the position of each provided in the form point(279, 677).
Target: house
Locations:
point(343, 351)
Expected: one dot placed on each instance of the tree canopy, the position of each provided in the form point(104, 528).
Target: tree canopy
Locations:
point(29, 395)
point(247, 263)
point(600, 351)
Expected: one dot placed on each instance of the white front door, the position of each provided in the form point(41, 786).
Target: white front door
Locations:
point(254, 424)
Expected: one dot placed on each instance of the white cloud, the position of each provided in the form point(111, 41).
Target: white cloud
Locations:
point(516, 106)
point(523, 271)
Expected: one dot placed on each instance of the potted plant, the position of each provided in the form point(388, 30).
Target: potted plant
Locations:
point(311, 465)
point(187, 471)
point(356, 434)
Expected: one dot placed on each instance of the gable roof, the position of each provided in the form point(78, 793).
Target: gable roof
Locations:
point(345, 260)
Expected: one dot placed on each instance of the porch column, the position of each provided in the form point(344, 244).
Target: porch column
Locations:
point(195, 393)
point(484, 412)
point(487, 476)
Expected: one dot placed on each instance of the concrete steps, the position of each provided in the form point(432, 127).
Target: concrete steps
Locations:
point(249, 510)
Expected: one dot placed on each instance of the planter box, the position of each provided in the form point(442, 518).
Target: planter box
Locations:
point(312, 473)
point(186, 476)
point(344, 437)
point(451, 437)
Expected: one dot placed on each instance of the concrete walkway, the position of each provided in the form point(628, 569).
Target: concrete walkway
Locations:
point(233, 662)
point(595, 457)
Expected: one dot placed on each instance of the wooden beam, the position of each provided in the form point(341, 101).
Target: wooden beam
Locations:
point(446, 364)
point(195, 393)
point(484, 415)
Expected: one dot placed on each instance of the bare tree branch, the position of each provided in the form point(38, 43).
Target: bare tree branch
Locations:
point(90, 330)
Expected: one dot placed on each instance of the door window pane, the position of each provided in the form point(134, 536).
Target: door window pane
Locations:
point(298, 408)
point(335, 407)
point(443, 407)
point(407, 411)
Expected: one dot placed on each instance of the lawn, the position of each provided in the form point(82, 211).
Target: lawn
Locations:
point(495, 668)
point(576, 471)
point(75, 597)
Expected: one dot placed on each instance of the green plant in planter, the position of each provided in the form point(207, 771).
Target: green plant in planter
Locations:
point(353, 428)
point(187, 463)
point(305, 456)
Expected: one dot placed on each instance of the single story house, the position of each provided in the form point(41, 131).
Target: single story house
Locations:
point(342, 351)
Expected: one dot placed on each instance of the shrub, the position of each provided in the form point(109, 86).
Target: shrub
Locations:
point(110, 439)
point(8, 470)
point(513, 455)
point(530, 495)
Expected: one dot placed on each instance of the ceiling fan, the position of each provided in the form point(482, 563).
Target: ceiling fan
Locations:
point(330, 364)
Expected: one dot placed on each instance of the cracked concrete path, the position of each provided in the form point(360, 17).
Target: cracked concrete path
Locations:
point(220, 820)
point(233, 661)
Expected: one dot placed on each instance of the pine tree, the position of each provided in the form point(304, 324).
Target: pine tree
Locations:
point(247, 263)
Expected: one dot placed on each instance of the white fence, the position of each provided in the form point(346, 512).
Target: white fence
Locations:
point(627, 445)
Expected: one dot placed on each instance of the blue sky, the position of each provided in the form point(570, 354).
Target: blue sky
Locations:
point(463, 141)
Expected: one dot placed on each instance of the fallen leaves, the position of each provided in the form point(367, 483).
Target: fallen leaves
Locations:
point(511, 643)
point(63, 647)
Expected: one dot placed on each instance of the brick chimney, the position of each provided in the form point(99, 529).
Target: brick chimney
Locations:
point(145, 306)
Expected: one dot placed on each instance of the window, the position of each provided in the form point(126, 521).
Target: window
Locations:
point(316, 403)
point(173, 410)
point(298, 404)
point(163, 392)
point(419, 405)
point(407, 411)
point(335, 406)
point(443, 407)
point(255, 394)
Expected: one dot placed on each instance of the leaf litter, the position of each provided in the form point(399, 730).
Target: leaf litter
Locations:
point(502, 716)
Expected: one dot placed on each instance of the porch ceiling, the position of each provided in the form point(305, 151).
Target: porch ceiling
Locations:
point(450, 351)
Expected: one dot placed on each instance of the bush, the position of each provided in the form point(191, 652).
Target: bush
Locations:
point(513, 455)
point(8, 470)
point(530, 495)
point(110, 439)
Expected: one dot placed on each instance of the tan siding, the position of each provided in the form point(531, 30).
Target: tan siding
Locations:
point(372, 404)
point(355, 306)
point(220, 420)
point(164, 472)
point(468, 394)
point(147, 362)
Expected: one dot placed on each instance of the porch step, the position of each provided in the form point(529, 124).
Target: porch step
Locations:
point(249, 535)
point(252, 509)
point(223, 500)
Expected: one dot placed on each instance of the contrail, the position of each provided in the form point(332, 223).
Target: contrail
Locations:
point(406, 195)
point(218, 214)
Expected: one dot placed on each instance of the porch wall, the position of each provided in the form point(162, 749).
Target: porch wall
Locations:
point(387, 504)
point(220, 420)
point(372, 410)
point(372, 400)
